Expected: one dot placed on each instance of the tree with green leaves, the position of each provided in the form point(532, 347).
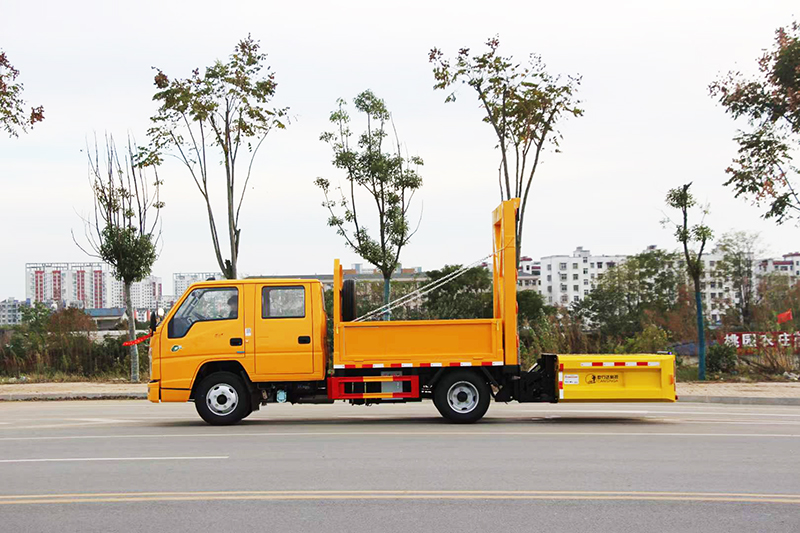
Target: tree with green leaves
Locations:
point(777, 293)
point(764, 170)
point(125, 230)
point(13, 115)
point(531, 306)
point(380, 172)
point(35, 329)
point(693, 238)
point(740, 250)
point(466, 296)
point(524, 105)
point(619, 305)
point(226, 108)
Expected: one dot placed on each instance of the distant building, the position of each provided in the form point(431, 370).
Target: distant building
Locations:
point(83, 285)
point(146, 294)
point(788, 265)
point(182, 280)
point(86, 286)
point(565, 279)
point(529, 275)
point(107, 319)
point(11, 312)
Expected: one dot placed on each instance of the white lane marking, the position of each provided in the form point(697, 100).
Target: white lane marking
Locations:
point(81, 459)
point(482, 434)
point(737, 422)
point(653, 412)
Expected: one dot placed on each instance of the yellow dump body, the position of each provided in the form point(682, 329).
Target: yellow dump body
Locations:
point(419, 343)
point(624, 378)
point(435, 343)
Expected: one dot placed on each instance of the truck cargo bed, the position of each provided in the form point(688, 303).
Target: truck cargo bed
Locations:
point(416, 343)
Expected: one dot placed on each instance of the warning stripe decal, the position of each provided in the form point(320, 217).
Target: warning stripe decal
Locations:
point(621, 363)
point(420, 365)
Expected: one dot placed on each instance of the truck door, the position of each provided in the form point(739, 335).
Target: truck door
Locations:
point(284, 333)
point(209, 324)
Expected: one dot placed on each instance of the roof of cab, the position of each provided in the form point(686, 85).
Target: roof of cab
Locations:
point(271, 281)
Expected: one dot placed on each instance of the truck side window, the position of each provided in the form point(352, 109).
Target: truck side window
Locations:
point(204, 305)
point(283, 302)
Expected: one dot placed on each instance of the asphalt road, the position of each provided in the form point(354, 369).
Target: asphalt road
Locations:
point(135, 466)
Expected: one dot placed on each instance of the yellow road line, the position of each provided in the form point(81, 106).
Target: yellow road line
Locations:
point(37, 499)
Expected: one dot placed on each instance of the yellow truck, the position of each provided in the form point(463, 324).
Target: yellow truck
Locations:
point(231, 346)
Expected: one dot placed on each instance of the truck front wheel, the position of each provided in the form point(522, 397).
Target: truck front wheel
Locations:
point(462, 396)
point(222, 399)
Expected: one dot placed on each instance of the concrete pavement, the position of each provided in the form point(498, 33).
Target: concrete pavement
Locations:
point(136, 466)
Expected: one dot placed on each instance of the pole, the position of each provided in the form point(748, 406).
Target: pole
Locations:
point(701, 335)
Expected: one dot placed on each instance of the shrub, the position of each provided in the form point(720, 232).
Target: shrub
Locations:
point(721, 358)
point(652, 339)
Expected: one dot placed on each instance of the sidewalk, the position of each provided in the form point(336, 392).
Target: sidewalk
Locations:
point(763, 393)
point(73, 391)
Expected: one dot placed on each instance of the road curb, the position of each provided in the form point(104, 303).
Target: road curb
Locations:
point(46, 396)
point(740, 400)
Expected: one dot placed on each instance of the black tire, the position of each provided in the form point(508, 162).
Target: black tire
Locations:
point(216, 393)
point(462, 396)
point(349, 300)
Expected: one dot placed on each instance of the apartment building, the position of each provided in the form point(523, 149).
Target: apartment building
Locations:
point(147, 294)
point(565, 279)
point(529, 275)
point(182, 280)
point(11, 312)
point(86, 286)
point(788, 265)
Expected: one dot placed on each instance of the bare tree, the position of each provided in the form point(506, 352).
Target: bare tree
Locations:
point(120, 233)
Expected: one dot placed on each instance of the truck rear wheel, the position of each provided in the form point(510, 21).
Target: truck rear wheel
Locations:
point(462, 396)
point(222, 399)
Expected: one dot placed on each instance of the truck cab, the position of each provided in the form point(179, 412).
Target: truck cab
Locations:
point(269, 330)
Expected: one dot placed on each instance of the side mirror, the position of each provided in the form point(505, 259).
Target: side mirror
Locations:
point(153, 321)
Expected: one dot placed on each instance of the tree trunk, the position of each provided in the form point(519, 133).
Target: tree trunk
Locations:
point(133, 349)
point(386, 294)
point(701, 337)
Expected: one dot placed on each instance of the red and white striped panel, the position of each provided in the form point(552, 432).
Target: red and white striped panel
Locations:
point(622, 363)
point(420, 365)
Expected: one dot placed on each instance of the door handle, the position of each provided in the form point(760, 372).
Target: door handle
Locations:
point(236, 341)
point(304, 339)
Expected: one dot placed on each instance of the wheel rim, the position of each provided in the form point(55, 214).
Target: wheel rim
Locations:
point(462, 397)
point(222, 399)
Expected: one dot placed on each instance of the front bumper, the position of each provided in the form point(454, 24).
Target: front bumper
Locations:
point(154, 391)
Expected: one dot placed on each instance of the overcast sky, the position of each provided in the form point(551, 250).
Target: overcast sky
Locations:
point(649, 125)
